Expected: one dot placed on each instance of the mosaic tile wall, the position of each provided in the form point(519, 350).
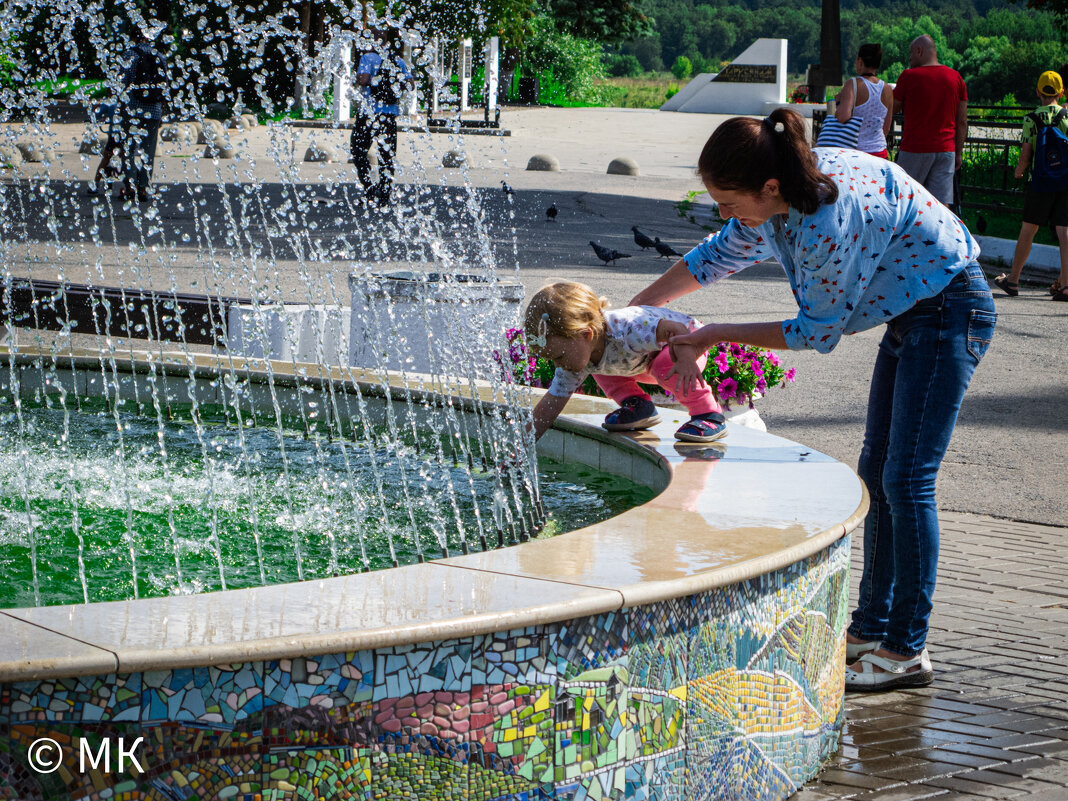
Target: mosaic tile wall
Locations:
point(734, 693)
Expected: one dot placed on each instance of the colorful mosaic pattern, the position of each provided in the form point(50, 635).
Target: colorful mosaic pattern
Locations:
point(733, 693)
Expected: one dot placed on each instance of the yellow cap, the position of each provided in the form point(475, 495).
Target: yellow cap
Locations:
point(1050, 84)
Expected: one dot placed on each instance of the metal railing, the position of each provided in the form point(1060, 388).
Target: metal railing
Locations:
point(991, 149)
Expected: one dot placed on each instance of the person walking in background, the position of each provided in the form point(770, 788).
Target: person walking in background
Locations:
point(1042, 206)
point(380, 76)
point(145, 87)
point(870, 99)
point(935, 102)
point(110, 165)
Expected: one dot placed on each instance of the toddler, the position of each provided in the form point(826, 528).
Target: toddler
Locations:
point(567, 323)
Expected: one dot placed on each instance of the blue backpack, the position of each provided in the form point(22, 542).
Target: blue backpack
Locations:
point(1049, 171)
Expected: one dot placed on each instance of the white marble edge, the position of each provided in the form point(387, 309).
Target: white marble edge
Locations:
point(69, 656)
point(314, 617)
point(593, 598)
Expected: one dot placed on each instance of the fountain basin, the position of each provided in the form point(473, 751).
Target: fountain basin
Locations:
point(688, 645)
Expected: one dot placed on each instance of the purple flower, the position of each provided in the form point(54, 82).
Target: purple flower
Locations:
point(727, 388)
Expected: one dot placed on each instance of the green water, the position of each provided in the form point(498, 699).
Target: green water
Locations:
point(92, 494)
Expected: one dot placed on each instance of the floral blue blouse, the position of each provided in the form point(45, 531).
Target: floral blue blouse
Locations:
point(885, 244)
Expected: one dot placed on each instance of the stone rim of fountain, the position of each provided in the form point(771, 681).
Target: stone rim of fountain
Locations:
point(502, 589)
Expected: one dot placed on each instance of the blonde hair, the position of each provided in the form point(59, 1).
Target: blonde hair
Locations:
point(563, 309)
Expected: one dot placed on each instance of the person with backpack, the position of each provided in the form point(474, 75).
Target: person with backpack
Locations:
point(381, 75)
point(1043, 153)
point(145, 87)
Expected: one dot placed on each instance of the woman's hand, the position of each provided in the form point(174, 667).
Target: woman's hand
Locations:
point(700, 340)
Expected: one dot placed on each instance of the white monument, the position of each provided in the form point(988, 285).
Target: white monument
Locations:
point(463, 57)
point(754, 83)
point(493, 72)
point(342, 107)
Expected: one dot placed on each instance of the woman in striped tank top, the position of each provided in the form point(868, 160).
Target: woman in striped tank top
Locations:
point(870, 99)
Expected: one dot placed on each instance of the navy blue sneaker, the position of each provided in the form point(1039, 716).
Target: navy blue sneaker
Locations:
point(703, 428)
point(633, 414)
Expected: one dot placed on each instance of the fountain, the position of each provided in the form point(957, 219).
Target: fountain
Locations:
point(224, 407)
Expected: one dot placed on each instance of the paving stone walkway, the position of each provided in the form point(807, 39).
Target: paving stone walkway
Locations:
point(995, 722)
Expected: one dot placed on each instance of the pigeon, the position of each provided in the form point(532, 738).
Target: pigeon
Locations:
point(550, 213)
point(641, 240)
point(607, 254)
point(664, 249)
point(507, 189)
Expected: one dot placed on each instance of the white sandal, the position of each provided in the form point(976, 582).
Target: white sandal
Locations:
point(861, 675)
point(855, 650)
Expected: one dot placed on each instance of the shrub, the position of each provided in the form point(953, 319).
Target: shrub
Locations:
point(623, 66)
point(574, 63)
point(682, 68)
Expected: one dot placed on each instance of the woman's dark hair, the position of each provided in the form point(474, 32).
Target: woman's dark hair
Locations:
point(871, 55)
point(742, 154)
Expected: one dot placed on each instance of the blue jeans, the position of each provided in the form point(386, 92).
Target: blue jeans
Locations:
point(926, 359)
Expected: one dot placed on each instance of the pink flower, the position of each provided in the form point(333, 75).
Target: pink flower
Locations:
point(790, 374)
point(773, 358)
point(727, 388)
point(721, 362)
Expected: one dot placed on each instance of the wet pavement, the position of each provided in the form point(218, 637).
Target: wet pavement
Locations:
point(995, 722)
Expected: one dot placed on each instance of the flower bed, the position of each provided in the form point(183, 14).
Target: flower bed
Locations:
point(735, 372)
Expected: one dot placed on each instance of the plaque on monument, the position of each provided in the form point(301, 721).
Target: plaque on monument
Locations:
point(748, 73)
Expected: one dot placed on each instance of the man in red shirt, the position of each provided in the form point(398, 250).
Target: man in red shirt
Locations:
point(935, 103)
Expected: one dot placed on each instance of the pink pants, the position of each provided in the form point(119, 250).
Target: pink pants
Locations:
point(620, 387)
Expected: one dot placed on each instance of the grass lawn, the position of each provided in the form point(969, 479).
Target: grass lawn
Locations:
point(648, 91)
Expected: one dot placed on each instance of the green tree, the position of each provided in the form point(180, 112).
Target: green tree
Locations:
point(1015, 69)
point(622, 65)
point(575, 63)
point(607, 21)
point(682, 68)
point(897, 37)
point(1058, 8)
point(648, 52)
point(981, 65)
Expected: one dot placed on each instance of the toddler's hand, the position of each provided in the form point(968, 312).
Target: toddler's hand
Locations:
point(685, 367)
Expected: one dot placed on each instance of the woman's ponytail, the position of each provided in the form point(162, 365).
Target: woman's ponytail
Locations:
point(743, 154)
